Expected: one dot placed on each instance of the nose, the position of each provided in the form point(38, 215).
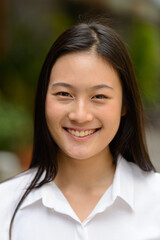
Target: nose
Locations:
point(80, 112)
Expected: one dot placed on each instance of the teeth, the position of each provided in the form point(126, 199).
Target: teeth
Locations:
point(81, 133)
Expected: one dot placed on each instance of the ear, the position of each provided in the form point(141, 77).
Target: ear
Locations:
point(124, 110)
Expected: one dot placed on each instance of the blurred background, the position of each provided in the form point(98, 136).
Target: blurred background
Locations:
point(28, 29)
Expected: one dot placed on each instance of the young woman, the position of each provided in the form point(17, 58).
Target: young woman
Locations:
point(90, 177)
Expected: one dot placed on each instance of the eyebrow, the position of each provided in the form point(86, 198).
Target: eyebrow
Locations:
point(63, 84)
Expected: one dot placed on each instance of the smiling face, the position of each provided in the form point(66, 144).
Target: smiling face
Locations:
point(83, 105)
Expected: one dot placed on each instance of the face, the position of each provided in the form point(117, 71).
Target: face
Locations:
point(83, 105)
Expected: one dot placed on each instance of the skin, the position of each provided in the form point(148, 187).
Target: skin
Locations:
point(85, 169)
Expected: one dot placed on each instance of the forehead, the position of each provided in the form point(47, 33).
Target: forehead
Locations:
point(83, 68)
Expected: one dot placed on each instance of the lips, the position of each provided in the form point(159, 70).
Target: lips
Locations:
point(81, 133)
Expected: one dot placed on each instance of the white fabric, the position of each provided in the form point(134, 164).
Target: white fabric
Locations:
point(128, 210)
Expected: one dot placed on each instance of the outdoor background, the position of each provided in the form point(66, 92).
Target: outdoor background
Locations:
point(28, 29)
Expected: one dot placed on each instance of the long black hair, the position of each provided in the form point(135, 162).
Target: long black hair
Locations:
point(130, 138)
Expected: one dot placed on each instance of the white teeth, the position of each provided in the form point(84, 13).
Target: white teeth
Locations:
point(81, 133)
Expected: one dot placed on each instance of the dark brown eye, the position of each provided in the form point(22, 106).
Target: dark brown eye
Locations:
point(63, 94)
point(100, 96)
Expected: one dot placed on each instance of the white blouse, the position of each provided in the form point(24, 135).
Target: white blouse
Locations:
point(128, 210)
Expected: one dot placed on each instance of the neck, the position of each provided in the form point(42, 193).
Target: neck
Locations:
point(86, 174)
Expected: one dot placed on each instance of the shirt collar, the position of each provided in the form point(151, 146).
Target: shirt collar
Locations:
point(122, 187)
point(123, 183)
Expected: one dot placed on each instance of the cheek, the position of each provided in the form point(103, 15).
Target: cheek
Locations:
point(112, 112)
point(50, 111)
point(54, 112)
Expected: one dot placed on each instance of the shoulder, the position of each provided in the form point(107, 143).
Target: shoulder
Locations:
point(10, 193)
point(147, 183)
point(142, 189)
point(144, 176)
point(18, 183)
point(12, 189)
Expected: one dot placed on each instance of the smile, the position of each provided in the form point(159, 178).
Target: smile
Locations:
point(81, 133)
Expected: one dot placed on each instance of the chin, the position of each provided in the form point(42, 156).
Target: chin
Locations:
point(79, 156)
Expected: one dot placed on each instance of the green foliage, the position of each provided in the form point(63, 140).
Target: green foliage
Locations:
point(21, 66)
point(59, 22)
point(15, 126)
point(145, 52)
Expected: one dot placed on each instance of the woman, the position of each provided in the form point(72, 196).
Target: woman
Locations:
point(90, 175)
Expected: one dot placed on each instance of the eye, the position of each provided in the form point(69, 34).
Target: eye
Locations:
point(63, 94)
point(100, 96)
